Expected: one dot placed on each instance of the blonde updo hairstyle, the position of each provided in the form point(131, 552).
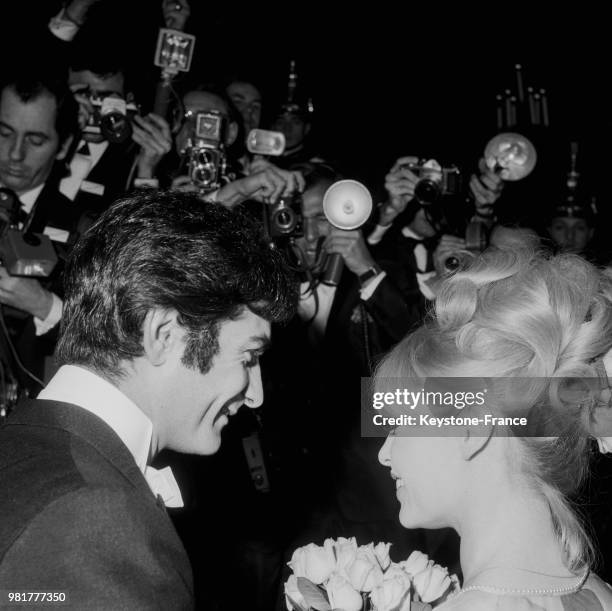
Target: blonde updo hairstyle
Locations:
point(517, 312)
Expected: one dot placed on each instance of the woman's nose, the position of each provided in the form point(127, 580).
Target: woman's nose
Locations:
point(384, 454)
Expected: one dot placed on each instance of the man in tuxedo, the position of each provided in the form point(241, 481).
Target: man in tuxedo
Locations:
point(406, 233)
point(38, 118)
point(168, 307)
point(105, 167)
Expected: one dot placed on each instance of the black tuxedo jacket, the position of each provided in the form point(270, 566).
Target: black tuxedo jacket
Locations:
point(112, 173)
point(77, 515)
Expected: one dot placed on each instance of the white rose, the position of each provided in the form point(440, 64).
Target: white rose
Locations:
point(395, 571)
point(313, 562)
point(346, 549)
point(342, 595)
point(369, 551)
point(416, 562)
point(382, 555)
point(388, 595)
point(431, 583)
point(364, 573)
point(375, 578)
point(292, 591)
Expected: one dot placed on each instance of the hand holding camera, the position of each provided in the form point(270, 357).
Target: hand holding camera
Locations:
point(104, 118)
point(399, 183)
point(486, 189)
point(269, 185)
point(352, 247)
point(153, 135)
point(26, 294)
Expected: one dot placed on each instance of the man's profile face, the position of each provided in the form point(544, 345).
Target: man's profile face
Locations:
point(293, 127)
point(202, 101)
point(199, 404)
point(247, 100)
point(570, 234)
point(29, 143)
point(315, 224)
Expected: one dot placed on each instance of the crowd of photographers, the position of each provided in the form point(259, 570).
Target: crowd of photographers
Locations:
point(73, 140)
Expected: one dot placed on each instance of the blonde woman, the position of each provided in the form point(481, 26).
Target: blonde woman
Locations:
point(518, 315)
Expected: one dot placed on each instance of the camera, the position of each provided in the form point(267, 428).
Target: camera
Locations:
point(205, 151)
point(283, 219)
point(110, 119)
point(23, 253)
point(434, 181)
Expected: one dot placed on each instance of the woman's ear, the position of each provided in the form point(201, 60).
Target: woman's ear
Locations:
point(475, 440)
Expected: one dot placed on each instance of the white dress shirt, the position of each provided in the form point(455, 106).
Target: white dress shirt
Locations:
point(420, 255)
point(80, 168)
point(81, 387)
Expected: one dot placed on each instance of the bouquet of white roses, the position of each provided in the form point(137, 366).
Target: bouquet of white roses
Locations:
point(340, 575)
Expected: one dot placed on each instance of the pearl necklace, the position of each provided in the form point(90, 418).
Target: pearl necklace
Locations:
point(532, 592)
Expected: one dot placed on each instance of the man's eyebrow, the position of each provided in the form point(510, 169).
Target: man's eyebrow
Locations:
point(6, 125)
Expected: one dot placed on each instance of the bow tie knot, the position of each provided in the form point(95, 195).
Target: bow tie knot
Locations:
point(163, 484)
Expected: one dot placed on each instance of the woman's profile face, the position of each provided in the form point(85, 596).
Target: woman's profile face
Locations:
point(428, 476)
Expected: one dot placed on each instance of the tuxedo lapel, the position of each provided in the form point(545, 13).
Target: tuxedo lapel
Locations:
point(88, 427)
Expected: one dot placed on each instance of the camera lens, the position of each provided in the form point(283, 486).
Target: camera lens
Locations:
point(285, 220)
point(116, 127)
point(426, 191)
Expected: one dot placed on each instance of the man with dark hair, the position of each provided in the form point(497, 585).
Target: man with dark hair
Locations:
point(168, 307)
point(104, 167)
point(38, 117)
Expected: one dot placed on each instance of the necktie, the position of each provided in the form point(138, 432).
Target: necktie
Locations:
point(163, 484)
point(423, 252)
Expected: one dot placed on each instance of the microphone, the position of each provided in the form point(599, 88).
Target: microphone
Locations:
point(347, 204)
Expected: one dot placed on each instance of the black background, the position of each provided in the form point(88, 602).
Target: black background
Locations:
point(386, 82)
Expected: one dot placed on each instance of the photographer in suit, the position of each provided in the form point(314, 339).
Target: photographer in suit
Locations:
point(340, 331)
point(169, 302)
point(38, 119)
point(406, 232)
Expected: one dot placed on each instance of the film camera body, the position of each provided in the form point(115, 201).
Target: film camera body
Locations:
point(434, 181)
point(22, 252)
point(110, 119)
point(205, 151)
point(283, 219)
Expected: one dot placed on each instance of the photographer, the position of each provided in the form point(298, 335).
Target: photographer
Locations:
point(339, 333)
point(103, 169)
point(413, 238)
point(111, 158)
point(38, 118)
point(264, 183)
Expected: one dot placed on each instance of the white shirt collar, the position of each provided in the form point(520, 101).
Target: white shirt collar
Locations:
point(409, 233)
point(28, 198)
point(79, 386)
